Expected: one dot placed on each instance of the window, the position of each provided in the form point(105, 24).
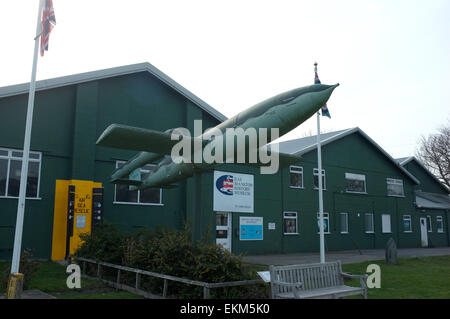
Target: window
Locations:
point(316, 178)
point(11, 170)
point(429, 227)
point(386, 223)
point(290, 223)
point(326, 224)
point(394, 187)
point(344, 223)
point(407, 227)
point(440, 224)
point(355, 183)
point(149, 196)
point(368, 222)
point(296, 176)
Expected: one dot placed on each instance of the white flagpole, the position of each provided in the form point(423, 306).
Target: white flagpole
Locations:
point(319, 167)
point(26, 153)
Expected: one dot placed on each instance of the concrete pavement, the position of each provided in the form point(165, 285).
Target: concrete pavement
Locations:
point(32, 294)
point(346, 257)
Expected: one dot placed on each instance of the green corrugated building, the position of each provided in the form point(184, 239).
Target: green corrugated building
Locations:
point(368, 197)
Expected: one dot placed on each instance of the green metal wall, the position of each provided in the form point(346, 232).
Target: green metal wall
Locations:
point(430, 185)
point(352, 154)
point(52, 135)
point(427, 183)
point(68, 120)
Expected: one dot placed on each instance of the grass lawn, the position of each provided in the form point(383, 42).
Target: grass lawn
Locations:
point(51, 278)
point(413, 278)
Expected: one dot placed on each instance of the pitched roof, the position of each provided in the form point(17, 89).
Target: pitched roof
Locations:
point(307, 144)
point(405, 160)
point(400, 160)
point(108, 73)
point(432, 200)
point(298, 145)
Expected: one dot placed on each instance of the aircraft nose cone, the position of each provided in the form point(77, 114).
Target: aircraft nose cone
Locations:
point(322, 96)
point(330, 87)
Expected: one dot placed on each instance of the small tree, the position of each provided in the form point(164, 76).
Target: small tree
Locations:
point(434, 152)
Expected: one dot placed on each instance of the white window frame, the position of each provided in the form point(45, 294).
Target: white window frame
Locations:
point(346, 222)
point(365, 225)
point(10, 157)
point(383, 230)
point(297, 170)
point(316, 173)
point(429, 224)
point(407, 217)
point(326, 216)
point(139, 192)
point(395, 182)
point(440, 222)
point(358, 177)
point(291, 217)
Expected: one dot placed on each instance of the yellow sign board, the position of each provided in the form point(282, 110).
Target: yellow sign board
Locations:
point(82, 216)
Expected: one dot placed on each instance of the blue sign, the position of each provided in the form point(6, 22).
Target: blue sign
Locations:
point(251, 228)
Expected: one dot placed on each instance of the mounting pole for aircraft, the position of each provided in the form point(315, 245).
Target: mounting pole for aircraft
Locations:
point(319, 168)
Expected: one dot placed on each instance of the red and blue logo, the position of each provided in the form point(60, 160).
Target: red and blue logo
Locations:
point(225, 184)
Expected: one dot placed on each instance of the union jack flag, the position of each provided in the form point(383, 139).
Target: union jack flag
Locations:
point(48, 22)
point(325, 111)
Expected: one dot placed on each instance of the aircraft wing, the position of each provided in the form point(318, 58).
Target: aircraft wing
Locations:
point(284, 159)
point(136, 184)
point(124, 181)
point(138, 139)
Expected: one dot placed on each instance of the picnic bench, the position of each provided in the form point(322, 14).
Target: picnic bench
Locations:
point(320, 281)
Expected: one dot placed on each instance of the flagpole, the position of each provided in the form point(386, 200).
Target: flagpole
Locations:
point(26, 152)
point(319, 168)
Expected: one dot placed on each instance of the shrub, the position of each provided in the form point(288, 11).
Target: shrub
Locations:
point(172, 253)
point(27, 267)
point(103, 244)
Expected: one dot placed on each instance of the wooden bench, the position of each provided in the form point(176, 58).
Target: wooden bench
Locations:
point(319, 281)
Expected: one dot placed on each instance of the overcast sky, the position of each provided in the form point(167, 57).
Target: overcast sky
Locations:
point(392, 58)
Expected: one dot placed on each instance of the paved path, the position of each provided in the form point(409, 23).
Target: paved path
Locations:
point(33, 294)
point(346, 257)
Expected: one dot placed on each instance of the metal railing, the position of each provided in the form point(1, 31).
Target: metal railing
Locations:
point(139, 272)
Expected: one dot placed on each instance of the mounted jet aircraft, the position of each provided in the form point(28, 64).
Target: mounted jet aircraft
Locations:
point(283, 112)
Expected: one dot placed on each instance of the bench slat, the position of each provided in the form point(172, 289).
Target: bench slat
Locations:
point(318, 281)
point(329, 292)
